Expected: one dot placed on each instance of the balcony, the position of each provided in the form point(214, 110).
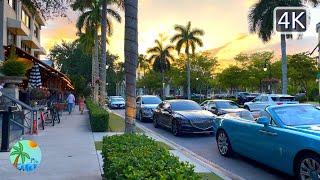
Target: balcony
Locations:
point(31, 41)
point(40, 51)
point(17, 27)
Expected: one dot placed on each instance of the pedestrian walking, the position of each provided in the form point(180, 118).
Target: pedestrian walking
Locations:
point(81, 104)
point(70, 100)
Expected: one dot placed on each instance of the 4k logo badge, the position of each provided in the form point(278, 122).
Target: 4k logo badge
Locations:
point(291, 19)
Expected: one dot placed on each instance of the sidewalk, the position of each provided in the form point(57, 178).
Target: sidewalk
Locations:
point(68, 152)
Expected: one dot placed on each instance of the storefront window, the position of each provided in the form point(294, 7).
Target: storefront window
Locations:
point(36, 31)
point(25, 48)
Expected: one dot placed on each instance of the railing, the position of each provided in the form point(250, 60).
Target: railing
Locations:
point(16, 119)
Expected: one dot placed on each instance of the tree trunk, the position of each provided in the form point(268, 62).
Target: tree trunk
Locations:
point(96, 66)
point(93, 75)
point(16, 160)
point(163, 87)
point(131, 57)
point(284, 65)
point(1, 30)
point(188, 76)
point(103, 73)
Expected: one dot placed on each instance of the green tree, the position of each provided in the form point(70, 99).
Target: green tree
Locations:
point(161, 57)
point(188, 39)
point(19, 153)
point(90, 21)
point(142, 64)
point(302, 71)
point(131, 57)
point(261, 22)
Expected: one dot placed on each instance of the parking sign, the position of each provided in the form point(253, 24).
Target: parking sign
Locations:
point(291, 19)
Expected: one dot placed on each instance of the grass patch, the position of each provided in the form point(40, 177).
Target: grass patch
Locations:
point(116, 123)
point(98, 145)
point(209, 176)
point(164, 145)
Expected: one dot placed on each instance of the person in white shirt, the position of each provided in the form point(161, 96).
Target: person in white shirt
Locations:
point(71, 102)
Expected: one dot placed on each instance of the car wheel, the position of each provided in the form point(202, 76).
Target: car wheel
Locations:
point(223, 143)
point(308, 167)
point(175, 129)
point(155, 122)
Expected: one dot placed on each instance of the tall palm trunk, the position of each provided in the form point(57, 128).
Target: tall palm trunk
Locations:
point(188, 76)
point(163, 87)
point(1, 30)
point(131, 57)
point(93, 74)
point(96, 66)
point(284, 65)
point(103, 72)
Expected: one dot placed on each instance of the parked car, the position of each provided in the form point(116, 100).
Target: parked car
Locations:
point(240, 113)
point(183, 116)
point(287, 138)
point(219, 106)
point(264, 100)
point(146, 105)
point(243, 97)
point(116, 102)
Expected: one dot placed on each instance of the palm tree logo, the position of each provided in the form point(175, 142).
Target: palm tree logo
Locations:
point(19, 154)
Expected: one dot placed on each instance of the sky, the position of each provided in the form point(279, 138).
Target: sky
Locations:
point(224, 22)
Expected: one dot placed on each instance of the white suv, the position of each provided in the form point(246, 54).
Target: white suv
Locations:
point(264, 100)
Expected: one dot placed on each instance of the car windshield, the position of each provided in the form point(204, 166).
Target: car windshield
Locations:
point(117, 99)
point(243, 115)
point(283, 98)
point(185, 106)
point(298, 115)
point(226, 105)
point(151, 100)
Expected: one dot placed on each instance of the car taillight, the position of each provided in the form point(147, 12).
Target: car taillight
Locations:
point(279, 103)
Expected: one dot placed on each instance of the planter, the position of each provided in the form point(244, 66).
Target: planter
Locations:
point(11, 81)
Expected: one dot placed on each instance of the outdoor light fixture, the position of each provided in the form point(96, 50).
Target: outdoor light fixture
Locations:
point(107, 66)
point(265, 69)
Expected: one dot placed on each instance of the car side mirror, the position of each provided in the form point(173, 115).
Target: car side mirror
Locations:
point(264, 121)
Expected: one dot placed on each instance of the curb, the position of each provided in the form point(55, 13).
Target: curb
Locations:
point(216, 169)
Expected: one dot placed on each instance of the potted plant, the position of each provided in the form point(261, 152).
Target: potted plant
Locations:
point(13, 71)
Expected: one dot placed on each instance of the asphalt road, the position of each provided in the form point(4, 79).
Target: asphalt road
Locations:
point(205, 146)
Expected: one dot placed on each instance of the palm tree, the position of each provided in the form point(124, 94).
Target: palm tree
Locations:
point(188, 39)
point(162, 58)
point(90, 21)
point(261, 22)
point(142, 64)
point(131, 56)
point(104, 25)
point(18, 152)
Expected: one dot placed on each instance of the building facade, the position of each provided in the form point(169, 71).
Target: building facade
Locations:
point(21, 28)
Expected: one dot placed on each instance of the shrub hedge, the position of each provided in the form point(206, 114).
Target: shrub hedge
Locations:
point(99, 117)
point(134, 157)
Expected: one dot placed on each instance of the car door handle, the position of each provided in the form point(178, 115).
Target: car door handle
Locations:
point(268, 133)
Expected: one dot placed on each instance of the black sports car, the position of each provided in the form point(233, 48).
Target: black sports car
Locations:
point(183, 116)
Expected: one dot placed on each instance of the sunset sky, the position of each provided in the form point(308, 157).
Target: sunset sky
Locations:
point(224, 22)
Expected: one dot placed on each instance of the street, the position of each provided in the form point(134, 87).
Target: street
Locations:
point(205, 146)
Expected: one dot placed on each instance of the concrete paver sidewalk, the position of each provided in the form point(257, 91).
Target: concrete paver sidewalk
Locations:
point(68, 152)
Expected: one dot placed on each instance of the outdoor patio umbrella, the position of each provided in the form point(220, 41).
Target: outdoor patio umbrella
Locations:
point(35, 77)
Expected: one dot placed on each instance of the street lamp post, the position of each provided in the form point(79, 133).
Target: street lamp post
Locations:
point(265, 69)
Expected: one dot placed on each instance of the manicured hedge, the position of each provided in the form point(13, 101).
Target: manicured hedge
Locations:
point(138, 157)
point(99, 117)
